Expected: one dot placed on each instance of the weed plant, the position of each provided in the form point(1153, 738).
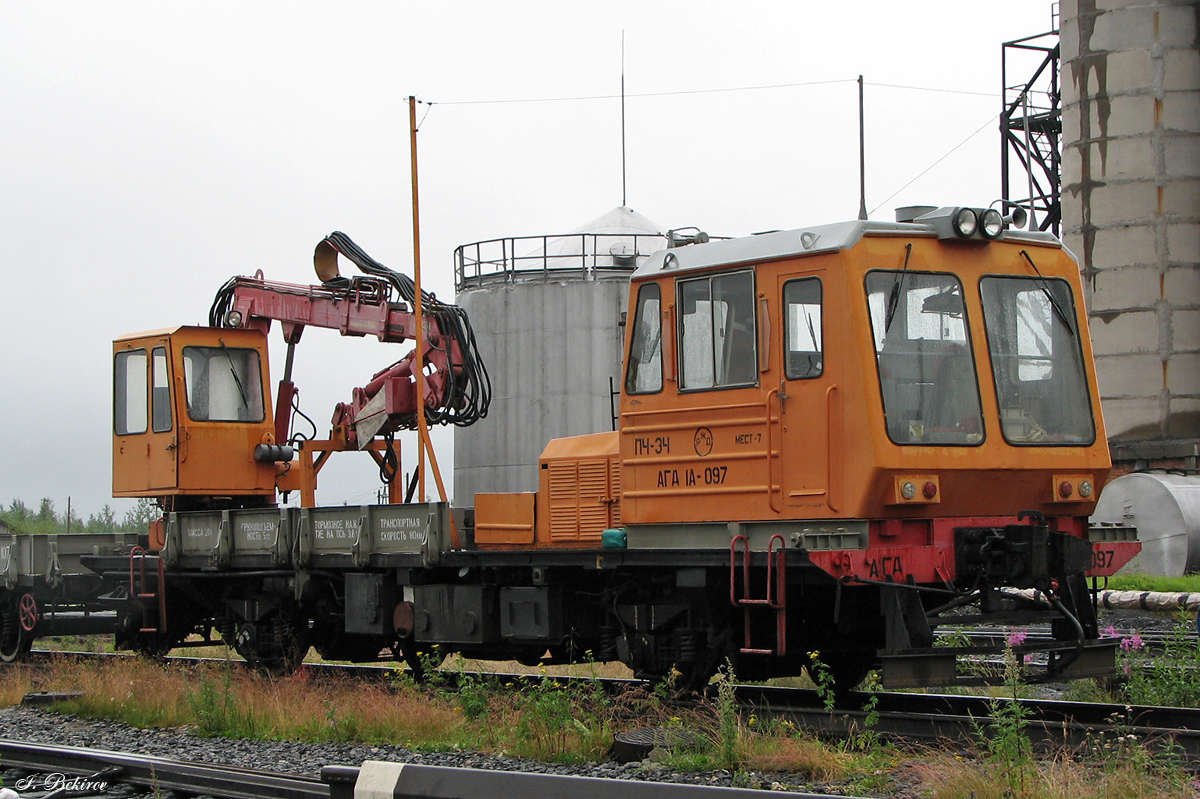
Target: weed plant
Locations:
point(1168, 677)
point(575, 721)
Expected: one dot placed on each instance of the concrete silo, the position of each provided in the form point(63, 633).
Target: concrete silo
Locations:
point(1131, 213)
point(548, 313)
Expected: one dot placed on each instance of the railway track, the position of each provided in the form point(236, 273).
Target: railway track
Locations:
point(933, 717)
point(101, 770)
point(73, 771)
point(897, 715)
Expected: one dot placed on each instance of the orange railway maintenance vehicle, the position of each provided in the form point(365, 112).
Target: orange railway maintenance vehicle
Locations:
point(833, 441)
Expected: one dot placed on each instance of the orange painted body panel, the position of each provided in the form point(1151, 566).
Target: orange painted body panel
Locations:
point(579, 491)
point(502, 520)
point(818, 448)
point(195, 458)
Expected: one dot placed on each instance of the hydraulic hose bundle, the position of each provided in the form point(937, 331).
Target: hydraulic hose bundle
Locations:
point(468, 386)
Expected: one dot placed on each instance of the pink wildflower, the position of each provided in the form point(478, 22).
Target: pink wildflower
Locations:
point(1109, 632)
point(1132, 643)
point(1016, 637)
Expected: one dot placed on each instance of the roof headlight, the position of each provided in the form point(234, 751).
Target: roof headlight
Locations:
point(991, 224)
point(965, 222)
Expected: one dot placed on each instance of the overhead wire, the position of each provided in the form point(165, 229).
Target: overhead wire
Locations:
point(921, 174)
point(724, 90)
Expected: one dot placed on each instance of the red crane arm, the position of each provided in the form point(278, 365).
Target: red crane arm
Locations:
point(357, 307)
point(361, 308)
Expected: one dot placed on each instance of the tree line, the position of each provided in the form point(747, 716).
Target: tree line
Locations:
point(22, 519)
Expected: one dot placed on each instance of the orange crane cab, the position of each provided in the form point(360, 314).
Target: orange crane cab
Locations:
point(190, 406)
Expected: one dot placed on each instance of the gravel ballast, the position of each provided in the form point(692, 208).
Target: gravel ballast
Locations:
point(292, 757)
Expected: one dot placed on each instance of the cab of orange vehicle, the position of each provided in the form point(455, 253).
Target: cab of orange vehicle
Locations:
point(858, 371)
point(190, 404)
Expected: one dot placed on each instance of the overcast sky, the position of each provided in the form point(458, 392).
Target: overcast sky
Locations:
point(149, 151)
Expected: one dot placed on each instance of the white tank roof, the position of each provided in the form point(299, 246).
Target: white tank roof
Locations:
point(621, 230)
point(621, 220)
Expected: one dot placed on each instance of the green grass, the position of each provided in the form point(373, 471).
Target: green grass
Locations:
point(575, 723)
point(1188, 584)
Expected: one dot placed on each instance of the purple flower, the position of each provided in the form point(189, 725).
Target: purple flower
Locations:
point(1016, 637)
point(1109, 632)
point(1132, 643)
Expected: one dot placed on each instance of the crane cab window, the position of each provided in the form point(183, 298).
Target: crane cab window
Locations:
point(924, 357)
point(160, 396)
point(223, 384)
point(129, 392)
point(716, 332)
point(1037, 361)
point(802, 328)
point(645, 375)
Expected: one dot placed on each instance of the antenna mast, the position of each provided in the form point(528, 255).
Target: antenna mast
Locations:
point(862, 156)
point(622, 118)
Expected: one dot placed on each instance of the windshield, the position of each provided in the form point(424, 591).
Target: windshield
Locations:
point(1037, 361)
point(923, 352)
point(223, 384)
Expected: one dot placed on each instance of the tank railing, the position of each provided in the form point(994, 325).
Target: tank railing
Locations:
point(590, 255)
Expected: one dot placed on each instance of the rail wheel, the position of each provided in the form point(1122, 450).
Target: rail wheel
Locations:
point(421, 659)
point(17, 620)
point(273, 646)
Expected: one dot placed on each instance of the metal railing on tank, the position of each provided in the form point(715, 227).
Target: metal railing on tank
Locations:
point(584, 256)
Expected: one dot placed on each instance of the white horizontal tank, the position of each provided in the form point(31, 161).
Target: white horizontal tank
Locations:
point(1165, 508)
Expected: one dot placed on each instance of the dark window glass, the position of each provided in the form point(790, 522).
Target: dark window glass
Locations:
point(923, 353)
point(717, 332)
point(803, 349)
point(160, 395)
point(223, 384)
point(644, 374)
point(1037, 361)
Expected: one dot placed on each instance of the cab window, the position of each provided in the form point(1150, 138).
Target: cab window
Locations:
point(1037, 361)
point(717, 332)
point(129, 392)
point(223, 384)
point(160, 397)
point(644, 374)
point(802, 328)
point(924, 357)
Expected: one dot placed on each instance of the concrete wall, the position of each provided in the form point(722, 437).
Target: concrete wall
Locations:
point(550, 347)
point(1131, 211)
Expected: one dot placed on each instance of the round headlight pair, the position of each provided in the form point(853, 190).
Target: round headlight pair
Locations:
point(988, 223)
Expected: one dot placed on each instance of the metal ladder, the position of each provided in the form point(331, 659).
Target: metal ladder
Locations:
point(141, 591)
point(776, 598)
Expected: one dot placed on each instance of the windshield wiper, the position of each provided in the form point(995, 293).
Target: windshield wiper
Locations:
point(237, 380)
point(894, 294)
point(1050, 295)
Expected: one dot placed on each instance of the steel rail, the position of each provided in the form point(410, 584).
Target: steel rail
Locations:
point(224, 782)
point(964, 718)
point(376, 780)
point(912, 716)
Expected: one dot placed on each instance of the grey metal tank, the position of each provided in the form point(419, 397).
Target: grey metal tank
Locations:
point(1165, 508)
point(550, 328)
